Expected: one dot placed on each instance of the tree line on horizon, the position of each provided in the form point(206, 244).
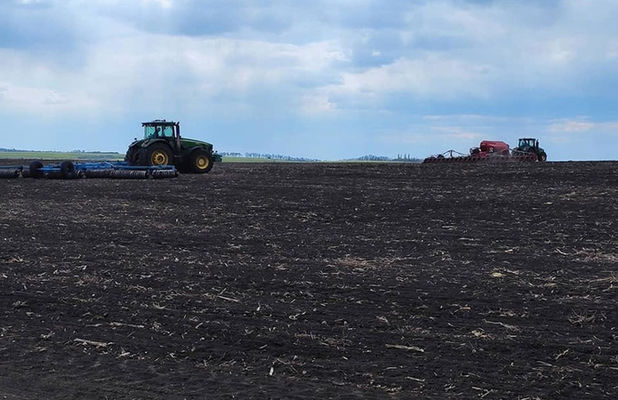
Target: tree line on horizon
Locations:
point(368, 157)
point(400, 158)
point(266, 156)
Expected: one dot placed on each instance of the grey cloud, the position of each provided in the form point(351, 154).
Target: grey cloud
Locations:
point(195, 18)
point(507, 44)
point(41, 26)
point(199, 18)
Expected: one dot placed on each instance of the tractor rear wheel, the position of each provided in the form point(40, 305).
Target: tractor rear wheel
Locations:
point(156, 154)
point(200, 162)
point(132, 155)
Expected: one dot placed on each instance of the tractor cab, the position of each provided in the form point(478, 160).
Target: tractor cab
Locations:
point(530, 147)
point(160, 129)
point(528, 142)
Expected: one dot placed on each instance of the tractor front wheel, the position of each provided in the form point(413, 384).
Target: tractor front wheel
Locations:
point(542, 157)
point(156, 154)
point(200, 162)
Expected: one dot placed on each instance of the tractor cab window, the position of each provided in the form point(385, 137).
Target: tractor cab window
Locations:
point(526, 143)
point(151, 132)
point(167, 131)
point(156, 131)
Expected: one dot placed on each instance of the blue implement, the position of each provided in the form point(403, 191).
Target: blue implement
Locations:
point(104, 169)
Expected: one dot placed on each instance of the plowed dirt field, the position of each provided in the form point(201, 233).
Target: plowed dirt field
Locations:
point(304, 281)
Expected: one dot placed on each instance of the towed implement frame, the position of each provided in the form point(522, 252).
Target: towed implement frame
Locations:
point(455, 156)
point(70, 170)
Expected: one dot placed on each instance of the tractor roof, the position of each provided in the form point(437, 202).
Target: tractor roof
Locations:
point(160, 122)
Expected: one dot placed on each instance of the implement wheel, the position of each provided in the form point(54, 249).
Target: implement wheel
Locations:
point(35, 169)
point(200, 162)
point(67, 168)
point(156, 154)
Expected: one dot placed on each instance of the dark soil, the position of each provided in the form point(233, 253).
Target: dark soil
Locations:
point(306, 281)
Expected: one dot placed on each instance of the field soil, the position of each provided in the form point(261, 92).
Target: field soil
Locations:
point(302, 281)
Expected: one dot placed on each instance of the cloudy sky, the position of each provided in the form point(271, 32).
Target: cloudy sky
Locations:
point(329, 79)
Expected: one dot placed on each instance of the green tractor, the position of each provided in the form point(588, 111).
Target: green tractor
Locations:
point(530, 146)
point(163, 145)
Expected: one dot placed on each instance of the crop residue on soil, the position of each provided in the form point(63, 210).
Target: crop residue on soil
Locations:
point(313, 281)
